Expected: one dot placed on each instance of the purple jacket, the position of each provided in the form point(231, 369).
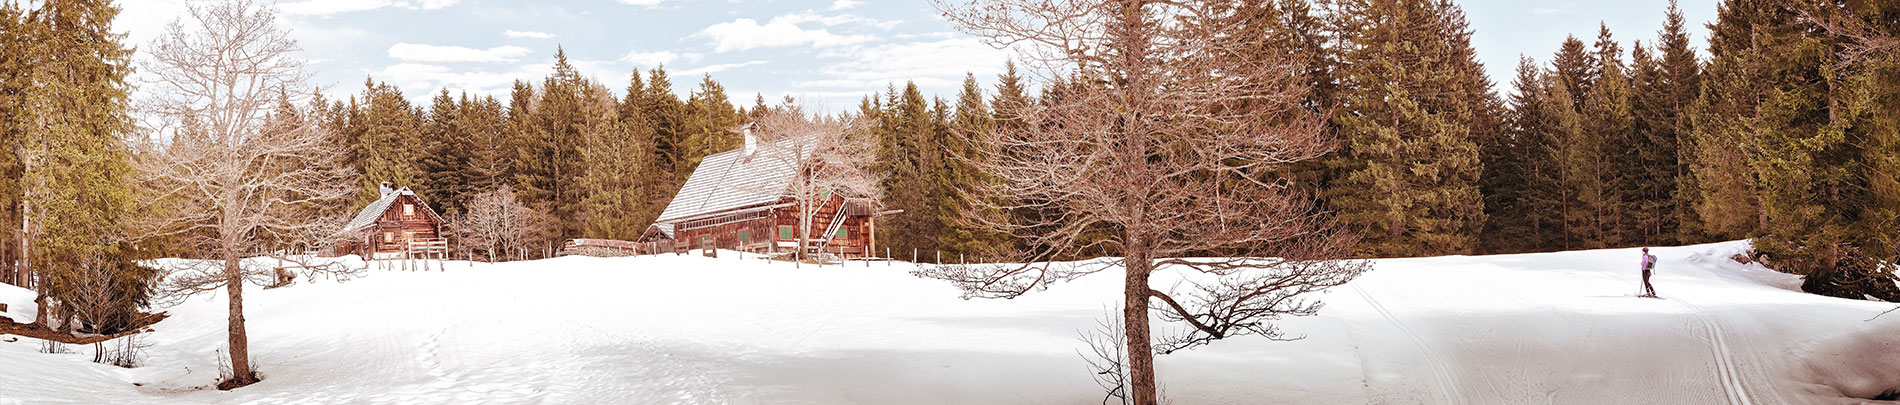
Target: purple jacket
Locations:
point(1649, 262)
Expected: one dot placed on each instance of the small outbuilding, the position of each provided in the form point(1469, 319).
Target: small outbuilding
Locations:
point(390, 225)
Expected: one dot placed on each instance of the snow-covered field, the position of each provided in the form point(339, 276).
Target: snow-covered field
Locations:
point(1540, 328)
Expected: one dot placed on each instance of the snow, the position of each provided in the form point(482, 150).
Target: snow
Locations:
point(1557, 327)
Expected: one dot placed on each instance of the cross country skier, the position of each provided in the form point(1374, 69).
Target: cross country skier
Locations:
point(1649, 266)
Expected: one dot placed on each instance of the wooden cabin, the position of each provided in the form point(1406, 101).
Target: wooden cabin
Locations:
point(738, 201)
point(389, 225)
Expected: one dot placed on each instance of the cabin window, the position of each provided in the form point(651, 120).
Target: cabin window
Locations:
point(389, 237)
point(408, 210)
point(841, 233)
point(745, 236)
point(785, 232)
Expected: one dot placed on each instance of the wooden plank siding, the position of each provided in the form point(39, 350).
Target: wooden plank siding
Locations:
point(754, 231)
point(405, 220)
point(397, 227)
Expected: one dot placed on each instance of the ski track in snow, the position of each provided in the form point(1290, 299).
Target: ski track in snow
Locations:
point(1447, 391)
point(1724, 358)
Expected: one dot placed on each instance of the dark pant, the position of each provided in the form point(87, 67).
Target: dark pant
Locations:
point(1648, 289)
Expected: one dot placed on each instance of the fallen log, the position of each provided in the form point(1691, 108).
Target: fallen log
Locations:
point(37, 331)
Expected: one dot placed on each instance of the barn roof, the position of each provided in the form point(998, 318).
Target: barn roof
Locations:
point(368, 215)
point(726, 181)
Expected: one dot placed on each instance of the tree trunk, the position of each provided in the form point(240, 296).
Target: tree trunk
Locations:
point(1141, 366)
point(240, 344)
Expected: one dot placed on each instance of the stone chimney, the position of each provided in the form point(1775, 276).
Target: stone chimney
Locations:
point(751, 142)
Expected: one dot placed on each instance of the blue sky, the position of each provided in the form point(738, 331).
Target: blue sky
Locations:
point(830, 51)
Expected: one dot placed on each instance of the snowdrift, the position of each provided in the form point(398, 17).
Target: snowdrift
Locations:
point(1536, 328)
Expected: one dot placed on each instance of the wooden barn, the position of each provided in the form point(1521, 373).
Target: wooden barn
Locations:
point(741, 202)
point(390, 225)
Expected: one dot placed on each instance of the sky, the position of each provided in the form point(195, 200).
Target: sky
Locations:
point(828, 53)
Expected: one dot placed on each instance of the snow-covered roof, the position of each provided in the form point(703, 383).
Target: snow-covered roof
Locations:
point(368, 215)
point(727, 180)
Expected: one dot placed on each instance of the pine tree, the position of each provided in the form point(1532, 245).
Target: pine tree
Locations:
point(386, 127)
point(75, 194)
point(1608, 127)
point(1520, 172)
point(667, 114)
point(960, 178)
point(448, 146)
point(1674, 90)
point(1825, 144)
point(17, 51)
point(1576, 68)
point(708, 125)
point(485, 120)
point(903, 134)
point(1570, 144)
point(548, 148)
point(1729, 206)
point(1411, 160)
point(612, 161)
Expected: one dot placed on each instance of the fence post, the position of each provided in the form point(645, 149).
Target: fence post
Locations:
point(913, 255)
point(939, 257)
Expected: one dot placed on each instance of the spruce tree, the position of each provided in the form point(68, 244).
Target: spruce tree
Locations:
point(1729, 206)
point(1674, 90)
point(960, 178)
point(1576, 68)
point(76, 197)
point(17, 50)
point(1520, 177)
point(612, 161)
point(904, 133)
point(548, 150)
point(1608, 126)
point(1826, 145)
point(707, 126)
point(448, 146)
point(1411, 130)
point(387, 129)
point(1569, 146)
point(485, 120)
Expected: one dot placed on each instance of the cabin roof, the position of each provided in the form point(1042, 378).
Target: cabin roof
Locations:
point(726, 181)
point(369, 214)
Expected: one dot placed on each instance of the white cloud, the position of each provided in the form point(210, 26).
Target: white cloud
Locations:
point(648, 59)
point(331, 7)
point(526, 34)
point(746, 33)
point(832, 20)
point(929, 64)
point(439, 53)
point(643, 3)
point(717, 68)
point(423, 79)
point(844, 4)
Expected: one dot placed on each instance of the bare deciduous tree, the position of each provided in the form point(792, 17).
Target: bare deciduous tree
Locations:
point(238, 168)
point(834, 154)
point(1160, 145)
point(493, 222)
